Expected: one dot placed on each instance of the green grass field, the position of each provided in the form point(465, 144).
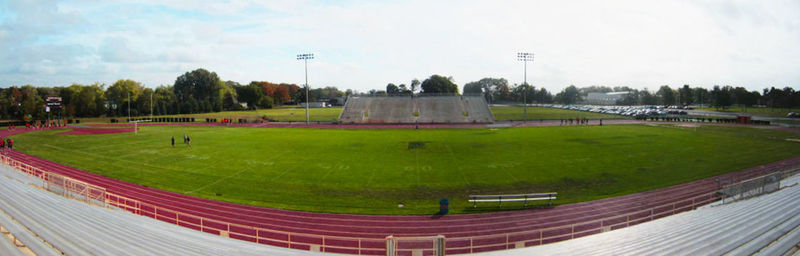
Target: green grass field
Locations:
point(766, 112)
point(538, 113)
point(371, 171)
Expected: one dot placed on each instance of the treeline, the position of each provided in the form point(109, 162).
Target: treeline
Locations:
point(498, 90)
point(198, 91)
point(717, 96)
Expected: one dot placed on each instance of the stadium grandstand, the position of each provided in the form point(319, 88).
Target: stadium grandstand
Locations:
point(419, 109)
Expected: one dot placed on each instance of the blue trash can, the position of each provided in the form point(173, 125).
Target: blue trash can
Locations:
point(444, 206)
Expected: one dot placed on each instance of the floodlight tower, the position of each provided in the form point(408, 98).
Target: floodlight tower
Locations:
point(305, 57)
point(525, 57)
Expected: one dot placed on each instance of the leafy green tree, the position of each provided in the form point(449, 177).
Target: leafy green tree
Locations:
point(118, 97)
point(569, 95)
point(439, 84)
point(392, 89)
point(667, 95)
point(201, 86)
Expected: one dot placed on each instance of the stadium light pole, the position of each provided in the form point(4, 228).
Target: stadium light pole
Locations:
point(305, 57)
point(525, 57)
point(129, 106)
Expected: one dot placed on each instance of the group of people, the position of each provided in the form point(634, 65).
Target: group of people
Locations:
point(7, 143)
point(41, 124)
point(578, 121)
point(186, 140)
point(571, 121)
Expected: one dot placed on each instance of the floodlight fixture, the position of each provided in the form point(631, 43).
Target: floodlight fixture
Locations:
point(525, 57)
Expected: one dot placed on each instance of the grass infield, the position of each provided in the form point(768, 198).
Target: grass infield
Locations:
point(371, 171)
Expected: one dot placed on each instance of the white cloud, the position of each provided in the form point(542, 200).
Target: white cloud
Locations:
point(365, 45)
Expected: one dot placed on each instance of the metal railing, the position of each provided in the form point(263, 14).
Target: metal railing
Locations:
point(754, 186)
point(346, 244)
point(57, 183)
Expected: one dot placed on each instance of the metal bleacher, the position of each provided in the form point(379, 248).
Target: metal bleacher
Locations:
point(77, 228)
point(439, 109)
point(764, 225)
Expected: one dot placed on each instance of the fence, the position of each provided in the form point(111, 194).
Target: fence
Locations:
point(391, 245)
point(754, 187)
point(57, 183)
point(415, 246)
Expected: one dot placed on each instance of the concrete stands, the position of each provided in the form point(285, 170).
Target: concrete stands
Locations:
point(394, 110)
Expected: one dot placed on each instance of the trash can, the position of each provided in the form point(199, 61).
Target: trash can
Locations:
point(444, 206)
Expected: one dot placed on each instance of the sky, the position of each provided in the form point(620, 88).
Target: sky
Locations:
point(364, 45)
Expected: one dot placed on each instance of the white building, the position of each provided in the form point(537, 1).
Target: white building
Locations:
point(319, 104)
point(601, 98)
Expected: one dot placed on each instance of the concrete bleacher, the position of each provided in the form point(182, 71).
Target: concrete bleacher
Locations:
point(77, 228)
point(765, 225)
point(440, 109)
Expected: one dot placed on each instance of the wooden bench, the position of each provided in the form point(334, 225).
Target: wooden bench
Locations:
point(475, 199)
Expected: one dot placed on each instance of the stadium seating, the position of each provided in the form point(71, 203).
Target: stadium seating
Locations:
point(395, 110)
point(80, 229)
point(765, 225)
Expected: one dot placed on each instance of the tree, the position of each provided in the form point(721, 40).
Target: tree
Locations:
point(392, 89)
point(720, 97)
point(701, 95)
point(118, 97)
point(414, 85)
point(647, 98)
point(667, 95)
point(439, 84)
point(569, 95)
point(202, 86)
point(685, 95)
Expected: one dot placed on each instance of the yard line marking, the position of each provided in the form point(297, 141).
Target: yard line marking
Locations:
point(218, 181)
point(372, 174)
point(281, 174)
point(453, 156)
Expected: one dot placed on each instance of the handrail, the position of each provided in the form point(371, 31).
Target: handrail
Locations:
point(207, 224)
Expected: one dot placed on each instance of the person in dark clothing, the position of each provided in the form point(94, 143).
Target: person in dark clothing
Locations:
point(188, 141)
point(173, 141)
point(10, 144)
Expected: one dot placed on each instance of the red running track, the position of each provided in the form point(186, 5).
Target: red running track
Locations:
point(377, 227)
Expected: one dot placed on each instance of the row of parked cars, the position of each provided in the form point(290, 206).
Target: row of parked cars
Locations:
point(624, 110)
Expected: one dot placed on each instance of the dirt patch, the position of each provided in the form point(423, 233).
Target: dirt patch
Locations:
point(91, 131)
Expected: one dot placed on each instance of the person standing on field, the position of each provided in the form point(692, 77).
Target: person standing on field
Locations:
point(173, 141)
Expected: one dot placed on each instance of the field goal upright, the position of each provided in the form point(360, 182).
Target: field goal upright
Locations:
point(415, 246)
point(136, 125)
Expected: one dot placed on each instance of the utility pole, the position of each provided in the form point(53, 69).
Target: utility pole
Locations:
point(305, 57)
point(129, 106)
point(525, 57)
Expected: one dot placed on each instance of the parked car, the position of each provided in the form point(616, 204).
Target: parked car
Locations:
point(793, 115)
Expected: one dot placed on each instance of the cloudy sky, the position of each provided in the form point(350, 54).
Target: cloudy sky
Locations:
point(366, 44)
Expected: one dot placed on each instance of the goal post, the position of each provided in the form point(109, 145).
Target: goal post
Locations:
point(136, 125)
point(415, 246)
